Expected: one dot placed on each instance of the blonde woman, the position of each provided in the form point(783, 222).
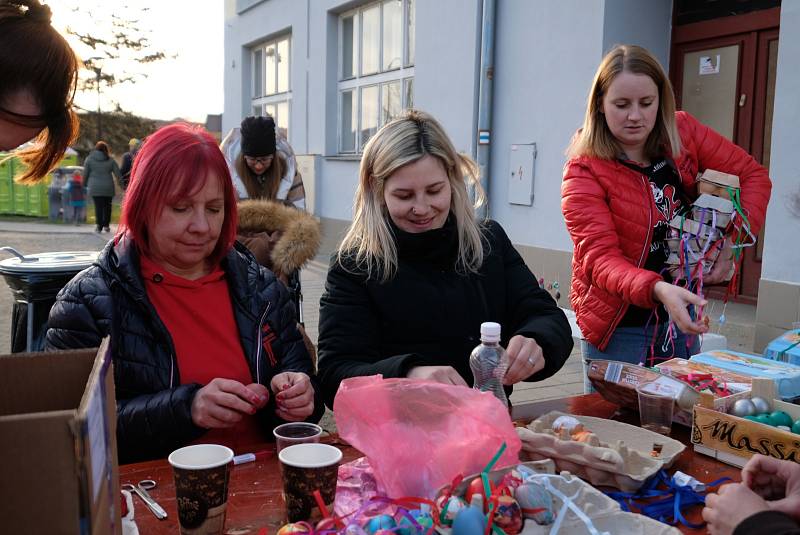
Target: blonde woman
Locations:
point(417, 273)
point(632, 168)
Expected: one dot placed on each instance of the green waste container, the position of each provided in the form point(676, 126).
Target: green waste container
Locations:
point(25, 200)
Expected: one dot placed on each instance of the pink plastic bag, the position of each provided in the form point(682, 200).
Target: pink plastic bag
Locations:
point(419, 435)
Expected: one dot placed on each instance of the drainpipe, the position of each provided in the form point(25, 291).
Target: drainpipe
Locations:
point(484, 129)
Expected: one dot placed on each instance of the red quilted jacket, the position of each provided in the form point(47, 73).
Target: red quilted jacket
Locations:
point(609, 212)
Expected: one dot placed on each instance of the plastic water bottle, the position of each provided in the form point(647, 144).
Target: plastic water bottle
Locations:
point(489, 362)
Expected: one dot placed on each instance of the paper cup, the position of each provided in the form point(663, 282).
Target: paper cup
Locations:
point(295, 433)
point(201, 487)
point(306, 468)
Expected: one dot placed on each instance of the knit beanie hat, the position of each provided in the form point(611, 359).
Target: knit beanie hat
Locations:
point(258, 136)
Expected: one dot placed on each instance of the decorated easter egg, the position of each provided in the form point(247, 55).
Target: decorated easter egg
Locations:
point(475, 487)
point(751, 417)
point(377, 523)
point(761, 418)
point(511, 480)
point(423, 519)
point(536, 503)
point(761, 404)
point(451, 507)
point(780, 418)
point(743, 407)
point(508, 515)
point(297, 527)
point(796, 427)
point(469, 521)
point(569, 423)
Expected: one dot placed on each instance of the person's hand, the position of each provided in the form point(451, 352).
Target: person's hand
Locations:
point(294, 396)
point(776, 481)
point(441, 374)
point(525, 358)
point(675, 300)
point(721, 270)
point(223, 402)
point(261, 391)
point(730, 506)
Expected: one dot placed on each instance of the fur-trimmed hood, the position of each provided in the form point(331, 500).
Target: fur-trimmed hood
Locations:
point(298, 233)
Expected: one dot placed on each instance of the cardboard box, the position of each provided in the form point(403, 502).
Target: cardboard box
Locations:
point(617, 382)
point(785, 348)
point(738, 385)
point(58, 449)
point(785, 375)
point(734, 440)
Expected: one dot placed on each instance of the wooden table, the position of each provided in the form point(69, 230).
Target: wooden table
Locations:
point(255, 501)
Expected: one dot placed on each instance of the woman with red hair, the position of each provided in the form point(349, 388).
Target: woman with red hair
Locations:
point(204, 340)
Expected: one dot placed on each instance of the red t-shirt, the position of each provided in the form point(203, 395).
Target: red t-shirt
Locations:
point(199, 316)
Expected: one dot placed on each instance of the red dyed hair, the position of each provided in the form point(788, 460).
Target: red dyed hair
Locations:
point(173, 164)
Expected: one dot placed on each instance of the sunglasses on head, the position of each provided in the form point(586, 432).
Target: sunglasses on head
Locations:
point(20, 119)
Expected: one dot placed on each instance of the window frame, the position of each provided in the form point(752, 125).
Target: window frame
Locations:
point(275, 98)
point(358, 80)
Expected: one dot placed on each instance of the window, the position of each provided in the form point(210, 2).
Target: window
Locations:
point(376, 69)
point(271, 92)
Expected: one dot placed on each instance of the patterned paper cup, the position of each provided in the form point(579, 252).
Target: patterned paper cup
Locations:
point(307, 468)
point(201, 487)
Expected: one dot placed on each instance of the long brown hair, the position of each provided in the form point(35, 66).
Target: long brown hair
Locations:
point(595, 139)
point(273, 178)
point(35, 57)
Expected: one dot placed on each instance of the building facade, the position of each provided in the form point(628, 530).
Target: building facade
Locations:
point(332, 72)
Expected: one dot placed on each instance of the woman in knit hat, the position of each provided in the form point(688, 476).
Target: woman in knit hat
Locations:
point(265, 172)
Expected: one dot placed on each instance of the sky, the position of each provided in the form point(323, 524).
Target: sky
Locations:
point(188, 86)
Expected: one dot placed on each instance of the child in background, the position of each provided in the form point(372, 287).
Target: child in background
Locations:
point(77, 198)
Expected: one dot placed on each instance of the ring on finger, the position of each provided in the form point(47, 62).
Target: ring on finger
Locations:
point(531, 361)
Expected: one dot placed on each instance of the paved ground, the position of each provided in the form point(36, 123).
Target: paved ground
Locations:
point(33, 236)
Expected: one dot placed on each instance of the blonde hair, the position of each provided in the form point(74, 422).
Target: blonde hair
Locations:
point(369, 241)
point(595, 139)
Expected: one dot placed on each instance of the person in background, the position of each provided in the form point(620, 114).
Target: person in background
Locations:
point(632, 168)
point(97, 175)
point(204, 340)
point(264, 171)
point(38, 76)
point(127, 162)
point(418, 272)
point(55, 194)
point(767, 501)
point(76, 192)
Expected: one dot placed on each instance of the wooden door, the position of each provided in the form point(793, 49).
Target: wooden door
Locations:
point(723, 73)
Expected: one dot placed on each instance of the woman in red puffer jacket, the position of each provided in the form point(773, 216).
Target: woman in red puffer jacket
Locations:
point(632, 168)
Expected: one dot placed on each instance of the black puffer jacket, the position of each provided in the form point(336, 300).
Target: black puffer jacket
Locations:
point(429, 315)
point(153, 407)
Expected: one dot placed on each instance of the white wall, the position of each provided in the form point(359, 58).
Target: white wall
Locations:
point(633, 22)
point(544, 61)
point(546, 56)
point(781, 260)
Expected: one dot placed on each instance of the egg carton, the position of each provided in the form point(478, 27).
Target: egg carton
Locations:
point(604, 512)
point(617, 464)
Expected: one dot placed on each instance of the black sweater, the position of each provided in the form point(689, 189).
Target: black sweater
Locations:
point(430, 315)
point(767, 523)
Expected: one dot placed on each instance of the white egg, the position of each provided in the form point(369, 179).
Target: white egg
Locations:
point(761, 405)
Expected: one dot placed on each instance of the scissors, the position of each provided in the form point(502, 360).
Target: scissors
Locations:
point(141, 489)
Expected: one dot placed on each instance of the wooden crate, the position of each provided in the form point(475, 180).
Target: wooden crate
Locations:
point(734, 440)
